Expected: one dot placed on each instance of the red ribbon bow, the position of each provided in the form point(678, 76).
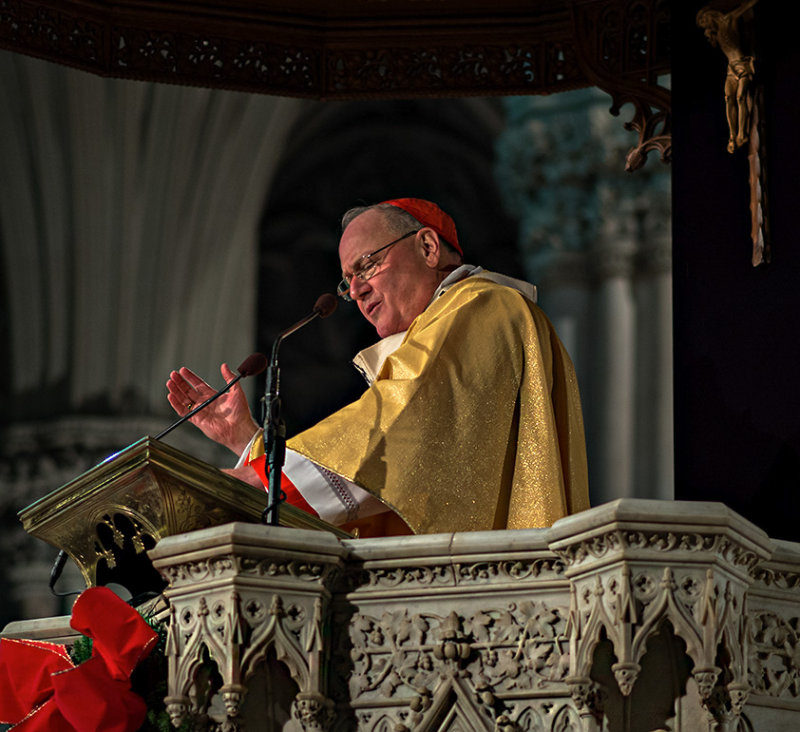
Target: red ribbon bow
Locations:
point(41, 690)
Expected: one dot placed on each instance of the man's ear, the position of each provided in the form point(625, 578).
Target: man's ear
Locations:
point(431, 247)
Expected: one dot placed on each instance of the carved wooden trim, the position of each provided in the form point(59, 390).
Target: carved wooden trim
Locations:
point(370, 49)
point(367, 50)
point(621, 45)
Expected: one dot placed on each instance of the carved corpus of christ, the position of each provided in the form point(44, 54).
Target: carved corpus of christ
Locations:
point(731, 32)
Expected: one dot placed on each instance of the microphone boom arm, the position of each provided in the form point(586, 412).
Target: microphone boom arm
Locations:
point(203, 405)
point(253, 364)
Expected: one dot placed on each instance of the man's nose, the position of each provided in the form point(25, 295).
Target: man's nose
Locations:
point(358, 287)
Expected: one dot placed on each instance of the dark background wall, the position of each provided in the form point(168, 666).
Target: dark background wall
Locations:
point(737, 359)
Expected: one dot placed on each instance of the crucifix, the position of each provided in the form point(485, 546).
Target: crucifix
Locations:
point(732, 32)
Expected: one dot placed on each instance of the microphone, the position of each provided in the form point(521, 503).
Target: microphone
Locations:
point(274, 426)
point(326, 304)
point(254, 364)
point(323, 307)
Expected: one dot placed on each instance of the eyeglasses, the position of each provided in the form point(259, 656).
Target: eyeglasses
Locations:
point(366, 268)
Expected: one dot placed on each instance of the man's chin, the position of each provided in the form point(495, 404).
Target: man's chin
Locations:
point(386, 331)
point(383, 329)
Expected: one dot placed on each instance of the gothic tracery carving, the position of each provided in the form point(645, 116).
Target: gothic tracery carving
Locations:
point(628, 601)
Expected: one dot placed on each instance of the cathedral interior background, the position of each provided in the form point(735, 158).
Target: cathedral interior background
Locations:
point(146, 226)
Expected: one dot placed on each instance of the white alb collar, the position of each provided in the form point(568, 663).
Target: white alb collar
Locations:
point(370, 360)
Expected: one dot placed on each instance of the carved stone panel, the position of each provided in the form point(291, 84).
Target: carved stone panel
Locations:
point(562, 629)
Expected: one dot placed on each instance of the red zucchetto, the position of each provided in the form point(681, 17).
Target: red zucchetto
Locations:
point(430, 215)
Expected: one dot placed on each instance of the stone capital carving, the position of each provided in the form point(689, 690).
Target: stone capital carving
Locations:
point(626, 582)
point(263, 591)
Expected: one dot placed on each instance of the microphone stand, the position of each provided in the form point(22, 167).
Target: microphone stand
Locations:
point(274, 425)
point(274, 439)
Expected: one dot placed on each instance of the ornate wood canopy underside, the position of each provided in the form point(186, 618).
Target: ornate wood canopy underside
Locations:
point(354, 49)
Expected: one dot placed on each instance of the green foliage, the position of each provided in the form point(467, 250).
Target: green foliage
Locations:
point(81, 650)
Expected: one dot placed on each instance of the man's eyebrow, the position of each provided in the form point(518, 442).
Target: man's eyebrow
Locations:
point(361, 258)
point(344, 271)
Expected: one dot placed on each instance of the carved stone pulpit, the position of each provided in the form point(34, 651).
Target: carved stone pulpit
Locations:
point(635, 615)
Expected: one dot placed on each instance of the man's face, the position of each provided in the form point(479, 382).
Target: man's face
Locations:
point(403, 283)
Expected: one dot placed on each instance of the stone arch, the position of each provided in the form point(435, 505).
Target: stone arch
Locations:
point(660, 685)
point(566, 719)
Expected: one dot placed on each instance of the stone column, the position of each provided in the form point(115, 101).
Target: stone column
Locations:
point(654, 470)
point(613, 376)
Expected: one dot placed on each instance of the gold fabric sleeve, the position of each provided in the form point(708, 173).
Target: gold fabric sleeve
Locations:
point(473, 423)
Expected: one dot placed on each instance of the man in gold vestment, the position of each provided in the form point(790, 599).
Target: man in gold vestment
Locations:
point(472, 419)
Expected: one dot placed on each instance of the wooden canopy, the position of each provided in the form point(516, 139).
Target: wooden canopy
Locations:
point(353, 49)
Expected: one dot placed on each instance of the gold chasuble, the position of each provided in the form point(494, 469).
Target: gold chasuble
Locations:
point(473, 423)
